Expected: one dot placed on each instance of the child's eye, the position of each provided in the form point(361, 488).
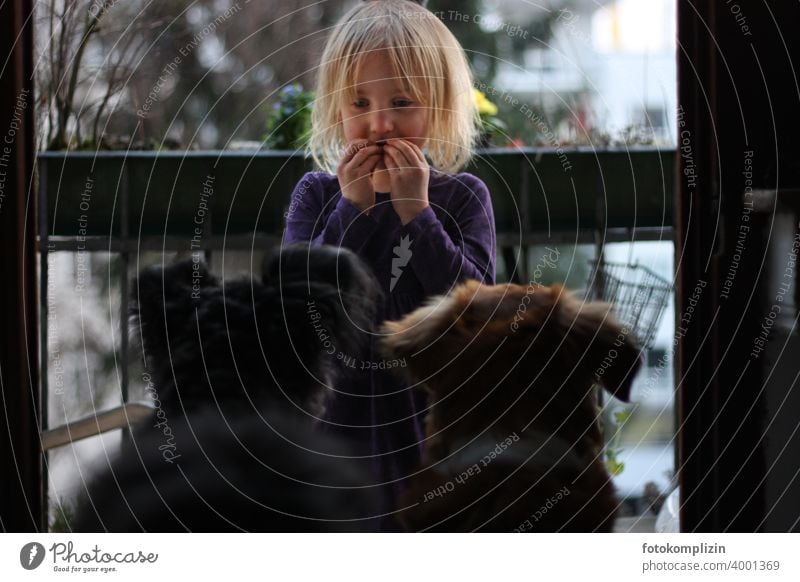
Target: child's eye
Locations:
point(360, 103)
point(402, 103)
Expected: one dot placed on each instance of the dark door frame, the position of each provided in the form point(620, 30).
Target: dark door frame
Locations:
point(21, 507)
point(738, 147)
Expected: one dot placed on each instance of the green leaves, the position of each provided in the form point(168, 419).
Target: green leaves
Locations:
point(621, 416)
point(493, 129)
point(289, 119)
point(613, 464)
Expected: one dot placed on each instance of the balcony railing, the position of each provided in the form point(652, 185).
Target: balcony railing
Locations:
point(138, 199)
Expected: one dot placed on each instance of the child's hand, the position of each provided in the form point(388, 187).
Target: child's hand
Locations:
point(359, 160)
point(408, 173)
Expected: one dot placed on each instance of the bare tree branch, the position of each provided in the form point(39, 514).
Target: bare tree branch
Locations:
point(92, 20)
point(114, 81)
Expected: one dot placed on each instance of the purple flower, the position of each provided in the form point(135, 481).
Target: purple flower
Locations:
point(291, 90)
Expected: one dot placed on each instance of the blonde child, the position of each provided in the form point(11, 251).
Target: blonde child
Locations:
point(394, 84)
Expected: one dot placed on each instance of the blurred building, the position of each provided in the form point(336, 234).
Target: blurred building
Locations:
point(611, 64)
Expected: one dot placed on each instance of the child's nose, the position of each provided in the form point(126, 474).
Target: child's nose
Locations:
point(381, 123)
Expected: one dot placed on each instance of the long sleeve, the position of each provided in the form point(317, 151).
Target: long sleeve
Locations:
point(439, 259)
point(345, 226)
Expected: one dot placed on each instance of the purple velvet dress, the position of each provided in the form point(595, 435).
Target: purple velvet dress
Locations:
point(450, 241)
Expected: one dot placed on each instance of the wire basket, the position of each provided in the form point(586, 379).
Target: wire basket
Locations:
point(638, 296)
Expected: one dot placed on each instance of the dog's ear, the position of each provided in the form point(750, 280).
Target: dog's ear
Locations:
point(327, 274)
point(332, 280)
point(163, 299)
point(337, 267)
point(429, 338)
point(608, 350)
point(417, 331)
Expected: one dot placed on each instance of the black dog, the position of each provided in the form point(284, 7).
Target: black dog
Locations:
point(205, 343)
point(239, 374)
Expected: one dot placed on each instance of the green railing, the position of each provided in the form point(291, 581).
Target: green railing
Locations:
point(139, 200)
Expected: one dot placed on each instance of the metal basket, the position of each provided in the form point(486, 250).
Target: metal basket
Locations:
point(638, 296)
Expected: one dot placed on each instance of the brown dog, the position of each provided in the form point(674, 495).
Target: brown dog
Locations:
point(513, 437)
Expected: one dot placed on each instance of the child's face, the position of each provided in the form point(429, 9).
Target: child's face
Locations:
point(384, 107)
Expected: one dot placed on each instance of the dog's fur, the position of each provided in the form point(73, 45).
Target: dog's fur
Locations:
point(511, 373)
point(208, 343)
point(239, 374)
point(246, 471)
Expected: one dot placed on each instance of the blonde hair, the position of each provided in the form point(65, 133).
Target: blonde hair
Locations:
point(424, 53)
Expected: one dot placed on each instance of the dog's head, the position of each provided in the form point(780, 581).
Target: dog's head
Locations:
point(509, 356)
point(273, 336)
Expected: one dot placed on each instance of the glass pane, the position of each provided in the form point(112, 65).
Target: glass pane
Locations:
point(646, 441)
point(83, 361)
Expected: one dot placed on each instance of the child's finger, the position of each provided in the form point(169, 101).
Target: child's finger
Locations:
point(398, 156)
point(370, 163)
point(352, 149)
point(367, 160)
point(363, 154)
point(412, 153)
point(412, 149)
point(389, 162)
point(420, 154)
